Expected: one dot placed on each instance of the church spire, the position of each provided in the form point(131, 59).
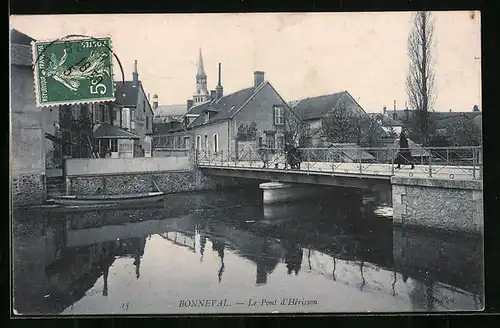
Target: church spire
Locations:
point(201, 68)
point(202, 93)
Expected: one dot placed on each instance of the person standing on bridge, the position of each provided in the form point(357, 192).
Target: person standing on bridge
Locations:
point(404, 156)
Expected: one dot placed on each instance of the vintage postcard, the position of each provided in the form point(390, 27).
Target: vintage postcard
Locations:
point(246, 163)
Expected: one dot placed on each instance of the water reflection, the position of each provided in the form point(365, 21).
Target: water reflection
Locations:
point(335, 250)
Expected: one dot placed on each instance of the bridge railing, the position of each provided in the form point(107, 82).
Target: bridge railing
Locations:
point(429, 162)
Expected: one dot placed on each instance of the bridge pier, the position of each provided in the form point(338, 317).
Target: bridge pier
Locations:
point(446, 205)
point(279, 192)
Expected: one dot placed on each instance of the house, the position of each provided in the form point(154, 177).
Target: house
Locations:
point(213, 121)
point(27, 147)
point(315, 110)
point(134, 111)
point(219, 122)
point(116, 129)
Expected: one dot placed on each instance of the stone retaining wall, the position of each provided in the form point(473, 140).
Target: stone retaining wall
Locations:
point(168, 182)
point(28, 189)
point(452, 206)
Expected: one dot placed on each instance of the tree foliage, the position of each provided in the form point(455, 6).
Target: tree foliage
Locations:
point(463, 133)
point(344, 125)
point(420, 86)
point(77, 129)
point(247, 132)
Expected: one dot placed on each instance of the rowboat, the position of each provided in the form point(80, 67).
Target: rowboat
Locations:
point(76, 200)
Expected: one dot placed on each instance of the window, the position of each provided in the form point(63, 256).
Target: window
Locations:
point(126, 118)
point(198, 142)
point(206, 142)
point(260, 142)
point(216, 143)
point(132, 119)
point(107, 118)
point(114, 145)
point(117, 116)
point(144, 106)
point(207, 117)
point(279, 112)
point(270, 140)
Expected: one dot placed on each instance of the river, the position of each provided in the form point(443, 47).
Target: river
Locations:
point(226, 252)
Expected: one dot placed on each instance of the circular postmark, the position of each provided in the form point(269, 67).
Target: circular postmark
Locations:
point(74, 69)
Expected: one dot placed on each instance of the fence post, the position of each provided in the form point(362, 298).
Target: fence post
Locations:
point(308, 159)
point(332, 158)
point(430, 163)
point(392, 161)
point(474, 159)
point(480, 160)
point(360, 160)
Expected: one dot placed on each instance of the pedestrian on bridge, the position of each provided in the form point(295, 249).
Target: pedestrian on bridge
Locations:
point(404, 156)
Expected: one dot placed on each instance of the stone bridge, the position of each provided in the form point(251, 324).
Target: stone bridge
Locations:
point(441, 190)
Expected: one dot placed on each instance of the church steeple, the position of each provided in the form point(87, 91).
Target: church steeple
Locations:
point(202, 93)
point(201, 68)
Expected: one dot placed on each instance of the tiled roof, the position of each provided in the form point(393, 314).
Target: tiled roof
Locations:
point(401, 114)
point(167, 110)
point(126, 93)
point(225, 107)
point(17, 37)
point(416, 149)
point(200, 108)
point(386, 120)
point(351, 150)
point(315, 107)
point(20, 48)
point(104, 131)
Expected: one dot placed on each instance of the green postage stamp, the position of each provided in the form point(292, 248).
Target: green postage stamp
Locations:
point(73, 71)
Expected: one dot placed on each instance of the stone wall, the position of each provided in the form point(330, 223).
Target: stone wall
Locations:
point(449, 205)
point(27, 157)
point(168, 182)
point(28, 189)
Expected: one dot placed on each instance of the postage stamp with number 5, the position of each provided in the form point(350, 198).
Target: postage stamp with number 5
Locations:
point(73, 71)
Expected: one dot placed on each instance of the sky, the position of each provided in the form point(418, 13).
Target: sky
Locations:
point(302, 54)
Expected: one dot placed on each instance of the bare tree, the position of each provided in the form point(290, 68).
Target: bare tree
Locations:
point(340, 124)
point(420, 80)
point(344, 125)
point(297, 133)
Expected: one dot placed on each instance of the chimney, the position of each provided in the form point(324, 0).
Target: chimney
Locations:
point(189, 104)
point(135, 75)
point(155, 101)
point(258, 78)
point(384, 110)
point(213, 94)
point(394, 105)
point(394, 114)
point(218, 88)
